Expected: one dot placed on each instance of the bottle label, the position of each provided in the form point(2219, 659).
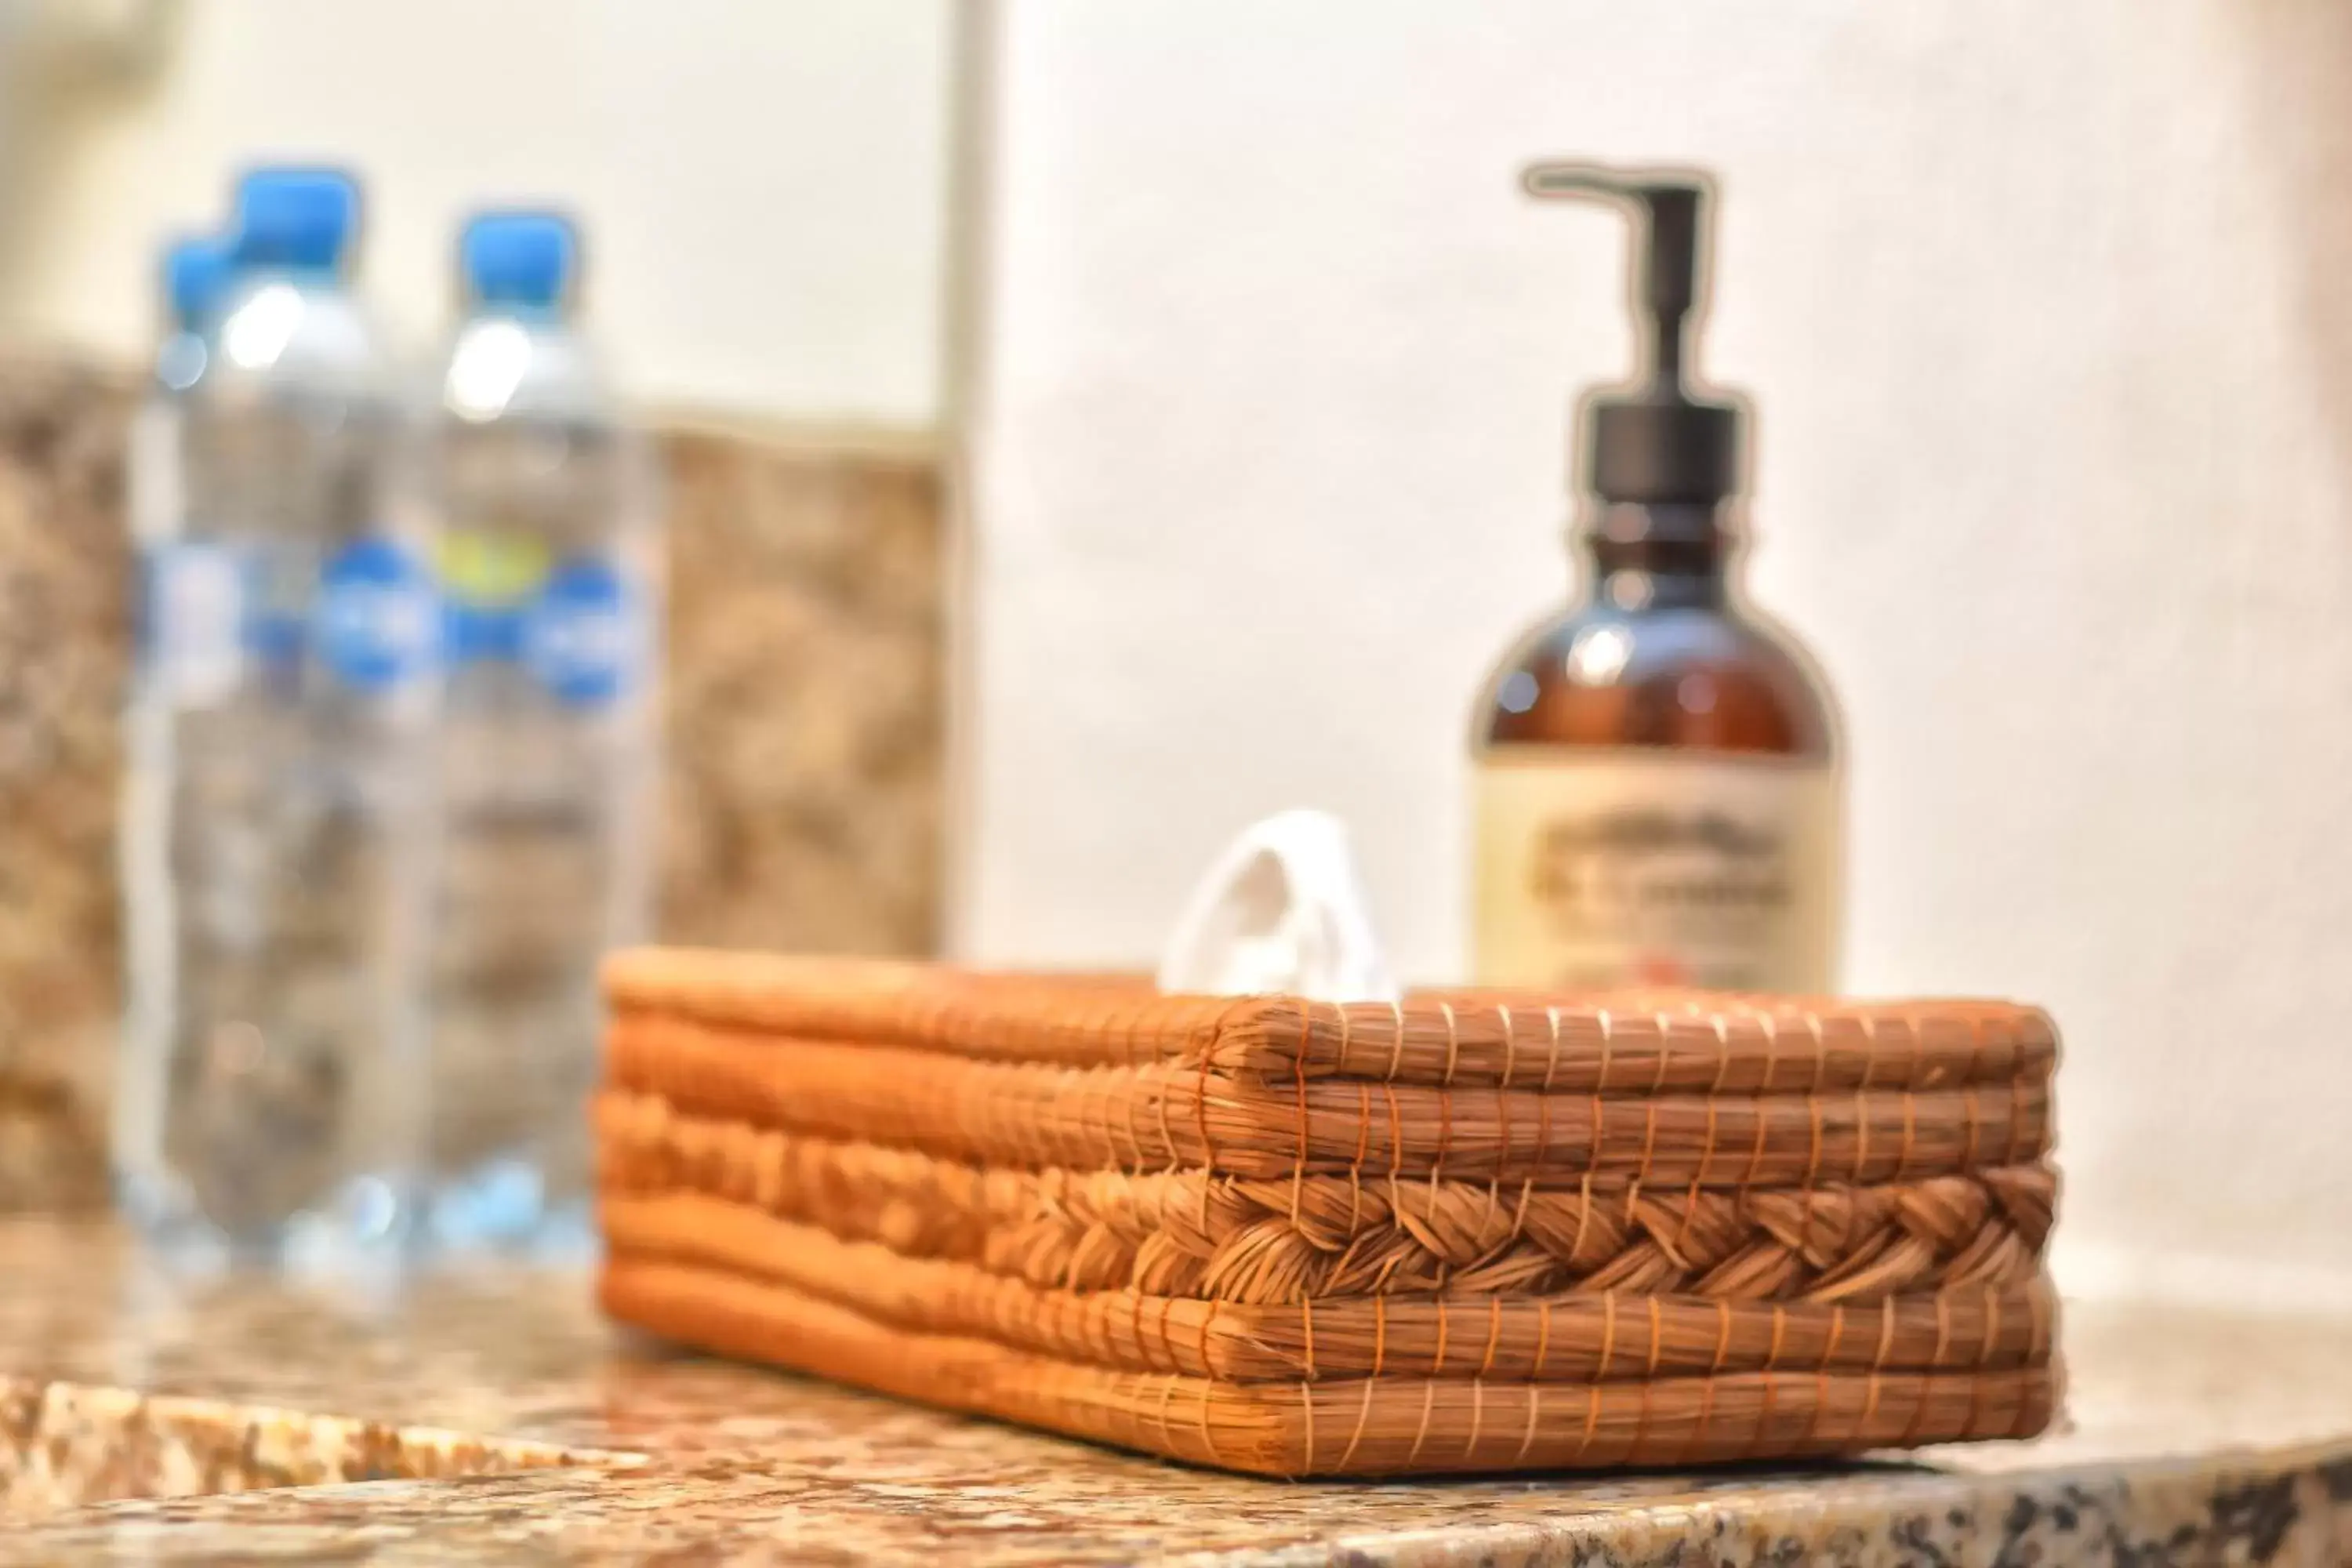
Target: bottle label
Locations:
point(375, 620)
point(277, 587)
point(1636, 868)
point(581, 637)
point(573, 625)
point(190, 621)
point(488, 577)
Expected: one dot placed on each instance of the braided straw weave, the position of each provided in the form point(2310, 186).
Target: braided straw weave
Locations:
point(1474, 1232)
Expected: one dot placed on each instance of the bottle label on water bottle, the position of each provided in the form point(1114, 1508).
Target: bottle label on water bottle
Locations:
point(274, 627)
point(582, 633)
point(376, 627)
point(487, 578)
point(190, 621)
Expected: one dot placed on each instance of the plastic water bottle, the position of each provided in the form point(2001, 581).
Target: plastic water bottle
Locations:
point(279, 855)
point(188, 598)
point(550, 559)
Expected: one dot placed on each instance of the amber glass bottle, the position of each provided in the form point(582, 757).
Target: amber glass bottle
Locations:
point(1658, 797)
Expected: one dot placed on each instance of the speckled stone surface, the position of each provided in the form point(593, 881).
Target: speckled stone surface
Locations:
point(2194, 1440)
point(805, 710)
point(65, 1445)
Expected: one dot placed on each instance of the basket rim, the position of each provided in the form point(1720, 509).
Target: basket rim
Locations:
point(1634, 1042)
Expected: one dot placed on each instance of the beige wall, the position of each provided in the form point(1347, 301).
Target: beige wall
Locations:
point(764, 183)
point(2048, 309)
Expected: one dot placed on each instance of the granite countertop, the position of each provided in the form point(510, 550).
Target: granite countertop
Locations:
point(491, 1416)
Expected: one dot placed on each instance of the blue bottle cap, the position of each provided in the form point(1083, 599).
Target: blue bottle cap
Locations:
point(296, 217)
point(520, 258)
point(196, 272)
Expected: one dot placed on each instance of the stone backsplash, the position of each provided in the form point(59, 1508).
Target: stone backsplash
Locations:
point(805, 719)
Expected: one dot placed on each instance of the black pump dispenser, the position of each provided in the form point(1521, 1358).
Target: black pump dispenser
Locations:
point(1658, 444)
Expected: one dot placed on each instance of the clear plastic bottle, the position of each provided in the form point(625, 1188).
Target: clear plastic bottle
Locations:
point(550, 561)
point(184, 646)
point(280, 857)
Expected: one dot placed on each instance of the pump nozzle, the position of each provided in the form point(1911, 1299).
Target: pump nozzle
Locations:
point(1664, 444)
point(1670, 211)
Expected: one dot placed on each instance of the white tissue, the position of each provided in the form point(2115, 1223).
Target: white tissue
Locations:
point(1282, 910)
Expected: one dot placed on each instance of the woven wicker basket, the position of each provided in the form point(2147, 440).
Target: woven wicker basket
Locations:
point(1478, 1232)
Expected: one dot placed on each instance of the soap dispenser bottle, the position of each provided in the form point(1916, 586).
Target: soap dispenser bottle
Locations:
point(1658, 795)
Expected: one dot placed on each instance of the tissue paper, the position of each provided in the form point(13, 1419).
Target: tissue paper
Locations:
point(1281, 909)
